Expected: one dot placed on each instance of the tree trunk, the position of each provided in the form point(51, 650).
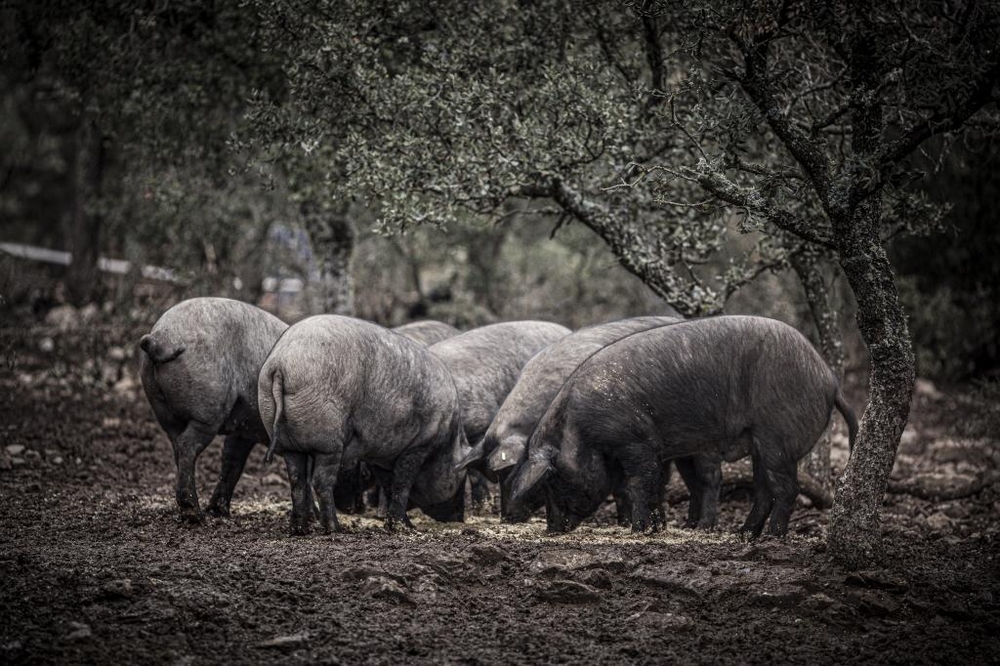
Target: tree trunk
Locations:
point(808, 265)
point(86, 219)
point(483, 259)
point(855, 522)
point(332, 238)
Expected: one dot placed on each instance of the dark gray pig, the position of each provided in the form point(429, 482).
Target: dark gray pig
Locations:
point(719, 387)
point(333, 383)
point(505, 440)
point(199, 372)
point(486, 363)
point(355, 478)
point(428, 331)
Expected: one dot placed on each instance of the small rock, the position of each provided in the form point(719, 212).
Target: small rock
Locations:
point(126, 384)
point(15, 449)
point(956, 511)
point(89, 312)
point(487, 554)
point(58, 460)
point(818, 602)
point(673, 621)
point(562, 560)
point(273, 479)
point(381, 587)
point(116, 354)
point(111, 422)
point(569, 592)
point(118, 589)
point(46, 345)
point(63, 317)
point(939, 522)
point(17, 462)
point(876, 579)
point(874, 604)
point(292, 642)
point(597, 578)
point(926, 388)
point(79, 631)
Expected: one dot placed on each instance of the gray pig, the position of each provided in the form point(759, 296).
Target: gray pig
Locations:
point(199, 372)
point(355, 479)
point(428, 331)
point(505, 441)
point(333, 383)
point(486, 363)
point(720, 387)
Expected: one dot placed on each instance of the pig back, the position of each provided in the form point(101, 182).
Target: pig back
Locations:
point(699, 384)
point(486, 363)
point(339, 373)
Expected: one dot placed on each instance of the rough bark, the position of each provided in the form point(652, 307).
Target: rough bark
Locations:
point(332, 238)
point(808, 265)
point(87, 174)
point(855, 522)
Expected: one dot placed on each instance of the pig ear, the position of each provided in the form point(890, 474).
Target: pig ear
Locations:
point(473, 458)
point(531, 473)
point(506, 454)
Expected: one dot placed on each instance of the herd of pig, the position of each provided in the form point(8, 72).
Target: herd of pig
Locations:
point(558, 419)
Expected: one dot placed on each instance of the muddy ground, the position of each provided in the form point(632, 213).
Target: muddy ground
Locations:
point(96, 567)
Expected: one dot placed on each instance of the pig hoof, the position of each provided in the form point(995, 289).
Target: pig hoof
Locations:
point(192, 516)
point(299, 530)
point(398, 525)
point(218, 511)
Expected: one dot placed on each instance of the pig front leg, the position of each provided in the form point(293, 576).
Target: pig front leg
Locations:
point(643, 490)
point(235, 452)
point(404, 473)
point(326, 466)
point(297, 465)
point(784, 484)
point(703, 477)
point(188, 445)
point(480, 489)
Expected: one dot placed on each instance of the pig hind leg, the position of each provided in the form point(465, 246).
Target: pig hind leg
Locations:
point(326, 466)
point(763, 499)
point(188, 445)
point(235, 452)
point(297, 465)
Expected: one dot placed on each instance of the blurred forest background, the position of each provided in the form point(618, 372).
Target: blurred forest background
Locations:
point(196, 137)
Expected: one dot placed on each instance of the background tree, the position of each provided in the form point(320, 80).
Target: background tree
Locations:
point(806, 118)
point(798, 117)
point(140, 100)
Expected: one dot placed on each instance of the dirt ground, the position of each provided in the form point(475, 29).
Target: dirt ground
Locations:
point(96, 567)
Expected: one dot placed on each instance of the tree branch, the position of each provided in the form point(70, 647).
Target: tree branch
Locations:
point(979, 96)
point(728, 191)
point(761, 91)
